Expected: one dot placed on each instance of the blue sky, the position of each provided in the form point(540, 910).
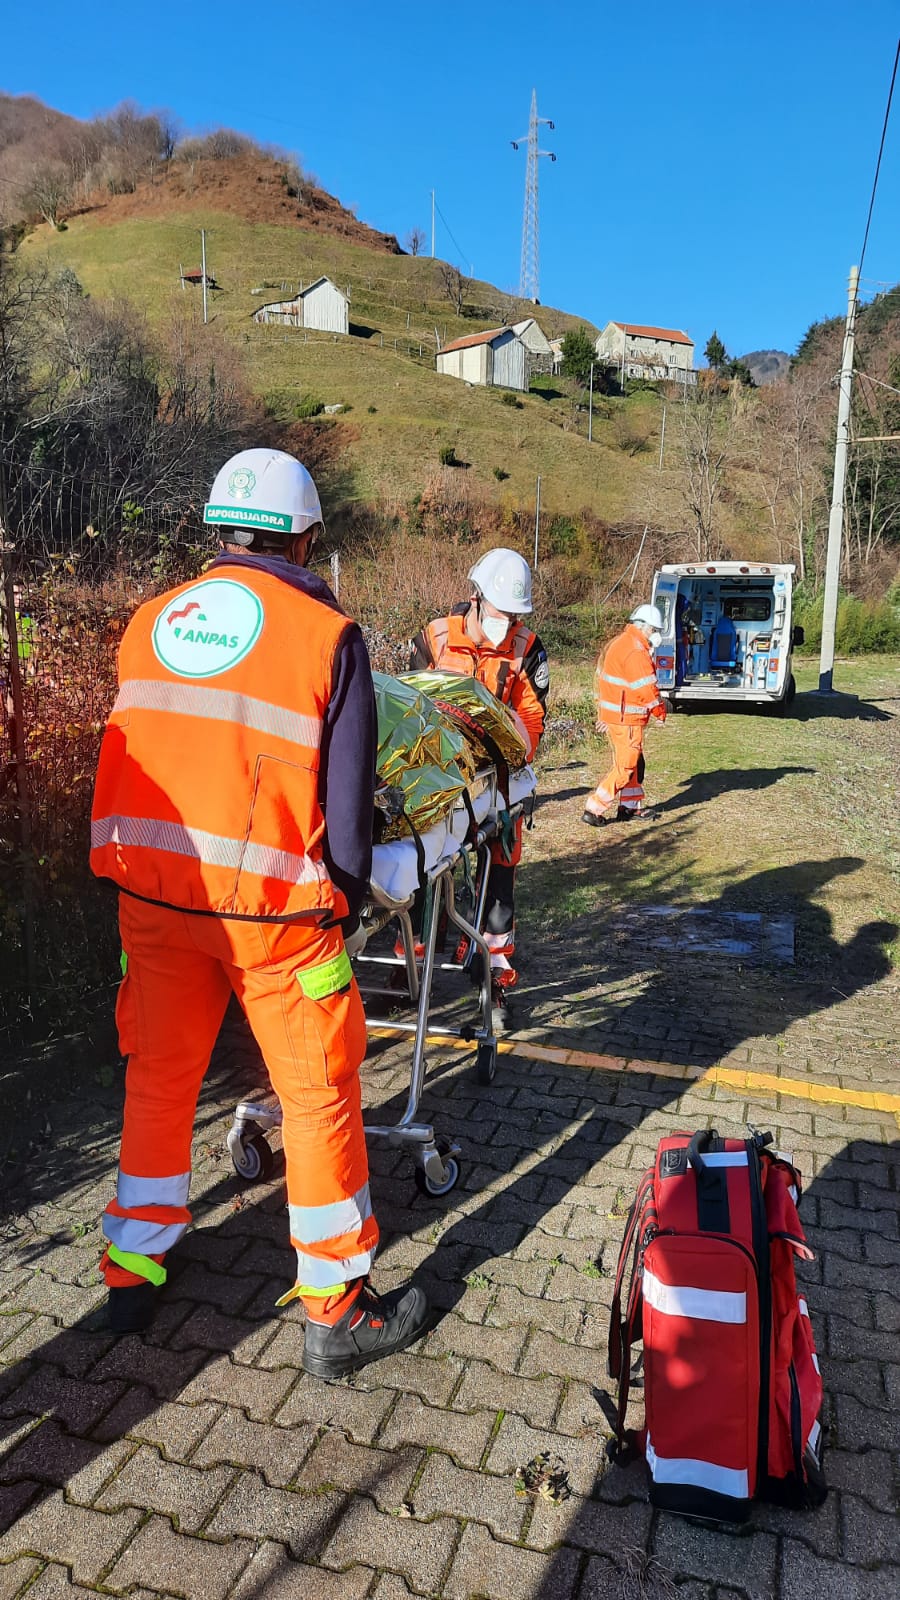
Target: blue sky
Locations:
point(714, 157)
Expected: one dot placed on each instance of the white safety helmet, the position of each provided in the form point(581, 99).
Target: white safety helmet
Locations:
point(260, 492)
point(651, 616)
point(503, 577)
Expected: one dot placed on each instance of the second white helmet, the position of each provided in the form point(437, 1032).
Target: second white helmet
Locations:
point(651, 615)
point(263, 491)
point(504, 578)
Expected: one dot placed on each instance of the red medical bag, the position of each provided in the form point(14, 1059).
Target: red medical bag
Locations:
point(732, 1389)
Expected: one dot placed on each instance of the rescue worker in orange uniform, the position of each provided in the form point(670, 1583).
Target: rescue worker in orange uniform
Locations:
point(485, 638)
point(233, 810)
point(627, 696)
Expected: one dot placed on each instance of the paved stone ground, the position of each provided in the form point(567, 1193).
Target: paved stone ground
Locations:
point(200, 1462)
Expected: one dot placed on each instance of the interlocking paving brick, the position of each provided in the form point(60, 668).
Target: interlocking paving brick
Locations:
point(589, 1524)
point(744, 1559)
point(259, 1393)
point(76, 1403)
point(390, 1587)
point(186, 1493)
point(414, 1423)
point(275, 1452)
point(514, 1572)
point(199, 1569)
point(354, 1408)
point(275, 1575)
point(385, 1475)
point(71, 1349)
point(67, 1301)
point(14, 1576)
point(860, 1426)
point(229, 1292)
point(867, 1473)
point(868, 1535)
point(804, 1574)
point(13, 1500)
point(174, 1428)
point(547, 1355)
point(205, 1329)
point(511, 1309)
point(284, 1348)
point(304, 1522)
point(420, 1551)
point(85, 1540)
point(820, 1529)
point(535, 1399)
point(53, 1456)
point(516, 1444)
point(501, 1346)
point(165, 1372)
point(478, 1496)
point(433, 1380)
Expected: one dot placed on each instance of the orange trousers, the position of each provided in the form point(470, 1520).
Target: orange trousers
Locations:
point(181, 971)
point(622, 782)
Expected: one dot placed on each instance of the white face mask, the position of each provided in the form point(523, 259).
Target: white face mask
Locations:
point(496, 629)
point(655, 639)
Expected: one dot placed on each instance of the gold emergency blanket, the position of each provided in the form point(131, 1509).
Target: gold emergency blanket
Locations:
point(423, 764)
point(473, 708)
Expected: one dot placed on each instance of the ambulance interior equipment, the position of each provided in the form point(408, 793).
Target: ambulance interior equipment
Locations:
point(450, 863)
point(727, 633)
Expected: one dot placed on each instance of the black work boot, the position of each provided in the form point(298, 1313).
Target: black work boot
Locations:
point(596, 820)
point(375, 1325)
point(131, 1308)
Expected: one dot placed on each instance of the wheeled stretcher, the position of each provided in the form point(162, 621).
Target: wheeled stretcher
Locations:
point(400, 871)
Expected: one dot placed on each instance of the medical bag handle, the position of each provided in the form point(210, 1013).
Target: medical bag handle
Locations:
point(699, 1145)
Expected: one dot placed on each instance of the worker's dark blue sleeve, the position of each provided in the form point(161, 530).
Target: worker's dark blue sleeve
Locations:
point(347, 776)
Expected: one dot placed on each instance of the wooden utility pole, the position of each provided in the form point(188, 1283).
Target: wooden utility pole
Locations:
point(203, 270)
point(537, 521)
point(836, 518)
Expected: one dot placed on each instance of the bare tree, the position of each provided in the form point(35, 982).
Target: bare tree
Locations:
point(453, 285)
point(48, 188)
point(415, 241)
point(705, 432)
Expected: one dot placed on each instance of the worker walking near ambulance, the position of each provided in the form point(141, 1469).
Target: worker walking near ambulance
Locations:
point(627, 696)
point(486, 638)
point(233, 810)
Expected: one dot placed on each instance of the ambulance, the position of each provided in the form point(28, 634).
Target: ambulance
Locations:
point(727, 634)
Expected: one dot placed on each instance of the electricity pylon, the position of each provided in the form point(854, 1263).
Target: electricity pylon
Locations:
point(529, 275)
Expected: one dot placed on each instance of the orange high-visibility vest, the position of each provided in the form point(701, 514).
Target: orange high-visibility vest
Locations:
point(500, 668)
point(207, 793)
point(625, 683)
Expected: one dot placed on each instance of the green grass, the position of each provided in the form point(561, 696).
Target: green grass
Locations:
point(396, 449)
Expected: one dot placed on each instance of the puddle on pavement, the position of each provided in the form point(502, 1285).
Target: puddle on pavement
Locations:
point(745, 935)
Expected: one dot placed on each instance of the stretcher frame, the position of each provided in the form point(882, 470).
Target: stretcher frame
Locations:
point(435, 1158)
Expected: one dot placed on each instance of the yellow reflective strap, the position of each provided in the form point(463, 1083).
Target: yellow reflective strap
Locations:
point(319, 982)
point(141, 1266)
point(310, 1293)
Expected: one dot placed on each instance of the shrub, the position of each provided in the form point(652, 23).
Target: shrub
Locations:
point(862, 626)
point(509, 398)
point(447, 456)
point(371, 410)
point(500, 475)
point(308, 405)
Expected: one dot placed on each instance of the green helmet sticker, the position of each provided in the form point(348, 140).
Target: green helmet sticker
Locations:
point(208, 629)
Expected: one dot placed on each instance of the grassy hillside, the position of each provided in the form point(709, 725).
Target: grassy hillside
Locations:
point(402, 410)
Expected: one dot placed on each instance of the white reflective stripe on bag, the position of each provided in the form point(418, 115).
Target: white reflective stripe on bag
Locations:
point(730, 1481)
point(705, 1305)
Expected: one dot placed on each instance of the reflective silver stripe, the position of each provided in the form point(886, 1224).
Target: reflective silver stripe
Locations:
point(131, 1191)
point(707, 1305)
point(314, 1224)
point(627, 683)
point(219, 705)
point(610, 705)
point(639, 711)
point(214, 849)
point(724, 1158)
point(142, 1238)
point(315, 1273)
point(732, 1481)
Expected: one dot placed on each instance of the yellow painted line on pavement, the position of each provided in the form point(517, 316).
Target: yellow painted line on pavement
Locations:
point(729, 1077)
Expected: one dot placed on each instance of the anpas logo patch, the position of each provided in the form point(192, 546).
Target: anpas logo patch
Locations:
point(208, 629)
point(242, 483)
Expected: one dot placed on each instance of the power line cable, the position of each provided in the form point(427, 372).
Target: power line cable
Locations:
point(459, 247)
point(887, 112)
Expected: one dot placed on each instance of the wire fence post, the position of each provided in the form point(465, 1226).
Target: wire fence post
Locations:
point(537, 521)
point(336, 573)
point(15, 714)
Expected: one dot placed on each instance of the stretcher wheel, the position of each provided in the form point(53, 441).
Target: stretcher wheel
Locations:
point(486, 1061)
point(251, 1154)
point(427, 1185)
